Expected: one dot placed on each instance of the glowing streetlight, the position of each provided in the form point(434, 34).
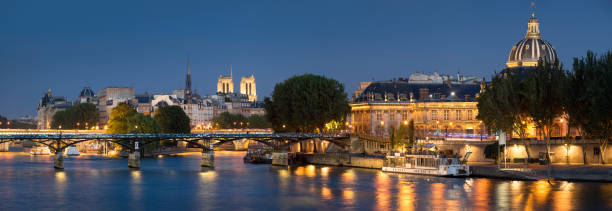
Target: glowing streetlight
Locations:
point(405, 122)
point(382, 123)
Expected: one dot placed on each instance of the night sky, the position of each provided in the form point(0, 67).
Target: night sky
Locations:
point(65, 45)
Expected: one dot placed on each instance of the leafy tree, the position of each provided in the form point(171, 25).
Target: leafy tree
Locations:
point(544, 100)
point(172, 119)
point(143, 124)
point(227, 120)
point(119, 119)
point(597, 114)
point(258, 121)
point(411, 138)
point(306, 103)
point(81, 116)
point(398, 136)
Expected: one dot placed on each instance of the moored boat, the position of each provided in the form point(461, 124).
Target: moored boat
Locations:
point(40, 151)
point(426, 163)
point(72, 151)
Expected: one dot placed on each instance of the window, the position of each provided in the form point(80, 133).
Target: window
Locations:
point(405, 115)
point(392, 116)
point(469, 116)
point(446, 114)
point(434, 115)
point(378, 115)
point(458, 112)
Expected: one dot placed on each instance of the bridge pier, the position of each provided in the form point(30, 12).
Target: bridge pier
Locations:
point(208, 159)
point(58, 161)
point(134, 159)
point(4, 147)
point(280, 159)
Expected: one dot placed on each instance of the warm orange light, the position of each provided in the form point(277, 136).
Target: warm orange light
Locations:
point(382, 123)
point(405, 122)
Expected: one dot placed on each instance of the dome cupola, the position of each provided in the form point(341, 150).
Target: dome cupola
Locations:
point(529, 50)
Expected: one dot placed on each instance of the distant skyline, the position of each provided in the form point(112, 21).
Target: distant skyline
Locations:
point(66, 45)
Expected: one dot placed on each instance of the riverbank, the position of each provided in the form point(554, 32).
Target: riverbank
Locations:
point(572, 172)
point(340, 159)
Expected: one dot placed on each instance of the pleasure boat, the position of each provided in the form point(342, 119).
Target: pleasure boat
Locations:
point(72, 151)
point(40, 150)
point(426, 163)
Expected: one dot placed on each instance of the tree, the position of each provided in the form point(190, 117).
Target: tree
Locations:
point(597, 112)
point(410, 132)
point(398, 136)
point(172, 119)
point(258, 121)
point(119, 119)
point(143, 124)
point(227, 120)
point(544, 100)
point(576, 102)
point(81, 116)
point(306, 103)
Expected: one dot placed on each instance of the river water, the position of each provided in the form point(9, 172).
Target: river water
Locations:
point(179, 183)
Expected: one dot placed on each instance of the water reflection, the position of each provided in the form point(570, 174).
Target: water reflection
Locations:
point(563, 198)
point(383, 188)
point(406, 199)
point(233, 185)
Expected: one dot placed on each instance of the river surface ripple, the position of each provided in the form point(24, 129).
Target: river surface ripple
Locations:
point(179, 183)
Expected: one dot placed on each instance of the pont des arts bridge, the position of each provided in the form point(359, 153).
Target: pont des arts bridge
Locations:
point(58, 141)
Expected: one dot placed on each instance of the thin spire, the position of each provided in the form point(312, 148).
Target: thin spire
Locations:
point(188, 66)
point(231, 75)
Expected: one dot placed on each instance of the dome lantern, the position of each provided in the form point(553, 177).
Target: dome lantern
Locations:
point(529, 50)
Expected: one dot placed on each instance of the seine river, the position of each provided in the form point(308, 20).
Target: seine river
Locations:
point(178, 183)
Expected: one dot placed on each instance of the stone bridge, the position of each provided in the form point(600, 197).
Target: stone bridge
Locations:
point(135, 143)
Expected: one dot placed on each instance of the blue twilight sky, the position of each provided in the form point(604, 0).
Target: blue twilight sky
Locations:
point(65, 45)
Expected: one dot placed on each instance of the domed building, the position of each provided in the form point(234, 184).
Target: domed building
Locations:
point(87, 95)
point(527, 52)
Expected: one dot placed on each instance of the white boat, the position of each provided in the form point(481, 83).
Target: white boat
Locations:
point(427, 164)
point(72, 151)
point(40, 151)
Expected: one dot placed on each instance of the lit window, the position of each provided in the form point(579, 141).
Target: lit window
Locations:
point(458, 112)
point(469, 116)
point(446, 114)
point(434, 115)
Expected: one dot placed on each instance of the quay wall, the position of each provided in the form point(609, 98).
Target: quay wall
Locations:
point(341, 159)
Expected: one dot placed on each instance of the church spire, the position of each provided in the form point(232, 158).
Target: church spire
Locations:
point(188, 82)
point(231, 71)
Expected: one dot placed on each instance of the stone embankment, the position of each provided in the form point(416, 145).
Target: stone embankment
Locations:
point(595, 173)
point(341, 159)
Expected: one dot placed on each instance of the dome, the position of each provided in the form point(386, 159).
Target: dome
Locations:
point(86, 92)
point(529, 50)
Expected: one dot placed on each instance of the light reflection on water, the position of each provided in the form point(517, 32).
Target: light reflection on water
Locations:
point(180, 183)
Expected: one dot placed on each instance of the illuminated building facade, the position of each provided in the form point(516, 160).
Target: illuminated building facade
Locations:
point(445, 108)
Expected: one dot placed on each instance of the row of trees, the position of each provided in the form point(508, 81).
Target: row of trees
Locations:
point(5, 123)
point(169, 119)
point(518, 97)
point(81, 116)
point(228, 120)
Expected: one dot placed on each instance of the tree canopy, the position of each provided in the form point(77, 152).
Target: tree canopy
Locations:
point(306, 103)
point(81, 116)
point(119, 119)
point(172, 119)
point(228, 120)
